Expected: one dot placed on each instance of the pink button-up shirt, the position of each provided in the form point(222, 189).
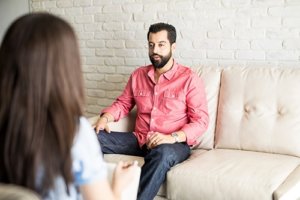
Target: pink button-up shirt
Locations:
point(177, 102)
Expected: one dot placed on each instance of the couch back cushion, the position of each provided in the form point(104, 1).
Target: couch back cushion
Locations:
point(211, 77)
point(259, 110)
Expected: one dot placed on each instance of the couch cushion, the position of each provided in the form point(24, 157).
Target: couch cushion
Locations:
point(211, 78)
point(229, 174)
point(259, 110)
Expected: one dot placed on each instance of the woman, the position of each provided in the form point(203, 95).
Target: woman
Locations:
point(45, 143)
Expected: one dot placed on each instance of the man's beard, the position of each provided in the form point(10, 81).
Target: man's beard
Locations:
point(158, 64)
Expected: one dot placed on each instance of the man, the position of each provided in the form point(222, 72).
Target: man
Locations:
point(171, 112)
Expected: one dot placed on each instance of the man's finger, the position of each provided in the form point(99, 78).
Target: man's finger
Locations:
point(107, 129)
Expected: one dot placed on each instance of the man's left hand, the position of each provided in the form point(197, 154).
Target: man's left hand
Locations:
point(156, 138)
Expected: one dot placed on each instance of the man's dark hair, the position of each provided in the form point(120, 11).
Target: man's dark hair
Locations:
point(154, 28)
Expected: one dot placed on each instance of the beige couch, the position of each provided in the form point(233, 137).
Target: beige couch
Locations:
point(251, 150)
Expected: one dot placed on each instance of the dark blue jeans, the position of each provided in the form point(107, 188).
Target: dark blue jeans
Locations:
point(158, 160)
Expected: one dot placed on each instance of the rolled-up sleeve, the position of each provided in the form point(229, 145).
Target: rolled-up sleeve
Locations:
point(197, 110)
point(123, 104)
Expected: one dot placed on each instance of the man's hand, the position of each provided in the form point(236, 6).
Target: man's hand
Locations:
point(101, 124)
point(155, 138)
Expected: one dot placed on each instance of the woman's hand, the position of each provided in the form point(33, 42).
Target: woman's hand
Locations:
point(123, 176)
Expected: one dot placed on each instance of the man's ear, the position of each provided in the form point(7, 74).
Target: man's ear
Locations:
point(173, 46)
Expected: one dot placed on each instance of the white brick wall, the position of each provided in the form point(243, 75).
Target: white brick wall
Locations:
point(112, 36)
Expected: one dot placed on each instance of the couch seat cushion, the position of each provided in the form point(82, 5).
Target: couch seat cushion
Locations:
point(229, 174)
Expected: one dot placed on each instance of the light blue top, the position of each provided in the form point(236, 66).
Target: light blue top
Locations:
point(88, 165)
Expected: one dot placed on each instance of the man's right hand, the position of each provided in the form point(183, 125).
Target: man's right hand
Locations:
point(101, 124)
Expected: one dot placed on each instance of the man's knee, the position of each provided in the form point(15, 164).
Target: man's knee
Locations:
point(103, 137)
point(169, 155)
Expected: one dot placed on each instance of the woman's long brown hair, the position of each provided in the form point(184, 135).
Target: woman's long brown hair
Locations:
point(41, 100)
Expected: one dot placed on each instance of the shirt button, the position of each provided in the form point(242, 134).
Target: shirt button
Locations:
point(154, 108)
point(155, 93)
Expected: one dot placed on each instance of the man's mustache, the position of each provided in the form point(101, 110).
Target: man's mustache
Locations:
point(155, 55)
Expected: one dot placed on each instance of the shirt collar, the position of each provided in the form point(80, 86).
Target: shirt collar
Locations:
point(168, 75)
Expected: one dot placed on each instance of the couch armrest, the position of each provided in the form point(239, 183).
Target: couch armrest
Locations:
point(290, 189)
point(14, 192)
point(125, 124)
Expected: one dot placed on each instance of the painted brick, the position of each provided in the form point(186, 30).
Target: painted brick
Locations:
point(250, 33)
point(82, 2)
point(73, 11)
point(87, 52)
point(114, 44)
point(114, 61)
point(128, 53)
point(85, 19)
point(104, 35)
point(130, 8)
point(266, 44)
point(125, 70)
point(250, 55)
point(144, 16)
point(95, 77)
point(64, 4)
point(268, 2)
point(235, 3)
point(220, 34)
point(49, 4)
point(106, 69)
point(291, 22)
point(90, 84)
point(105, 52)
point(134, 61)
point(114, 78)
point(113, 94)
point(112, 9)
point(291, 44)
point(235, 44)
point(112, 36)
point(282, 33)
point(220, 54)
point(94, 61)
point(266, 22)
point(155, 7)
point(92, 10)
point(96, 93)
point(207, 44)
point(194, 53)
point(287, 55)
point(291, 11)
point(112, 26)
point(95, 43)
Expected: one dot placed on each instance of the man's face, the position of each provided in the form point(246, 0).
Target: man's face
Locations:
point(160, 49)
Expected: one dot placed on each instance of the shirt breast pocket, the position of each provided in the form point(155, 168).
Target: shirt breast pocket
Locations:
point(173, 101)
point(143, 100)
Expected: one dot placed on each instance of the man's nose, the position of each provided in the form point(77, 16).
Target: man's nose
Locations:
point(155, 49)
